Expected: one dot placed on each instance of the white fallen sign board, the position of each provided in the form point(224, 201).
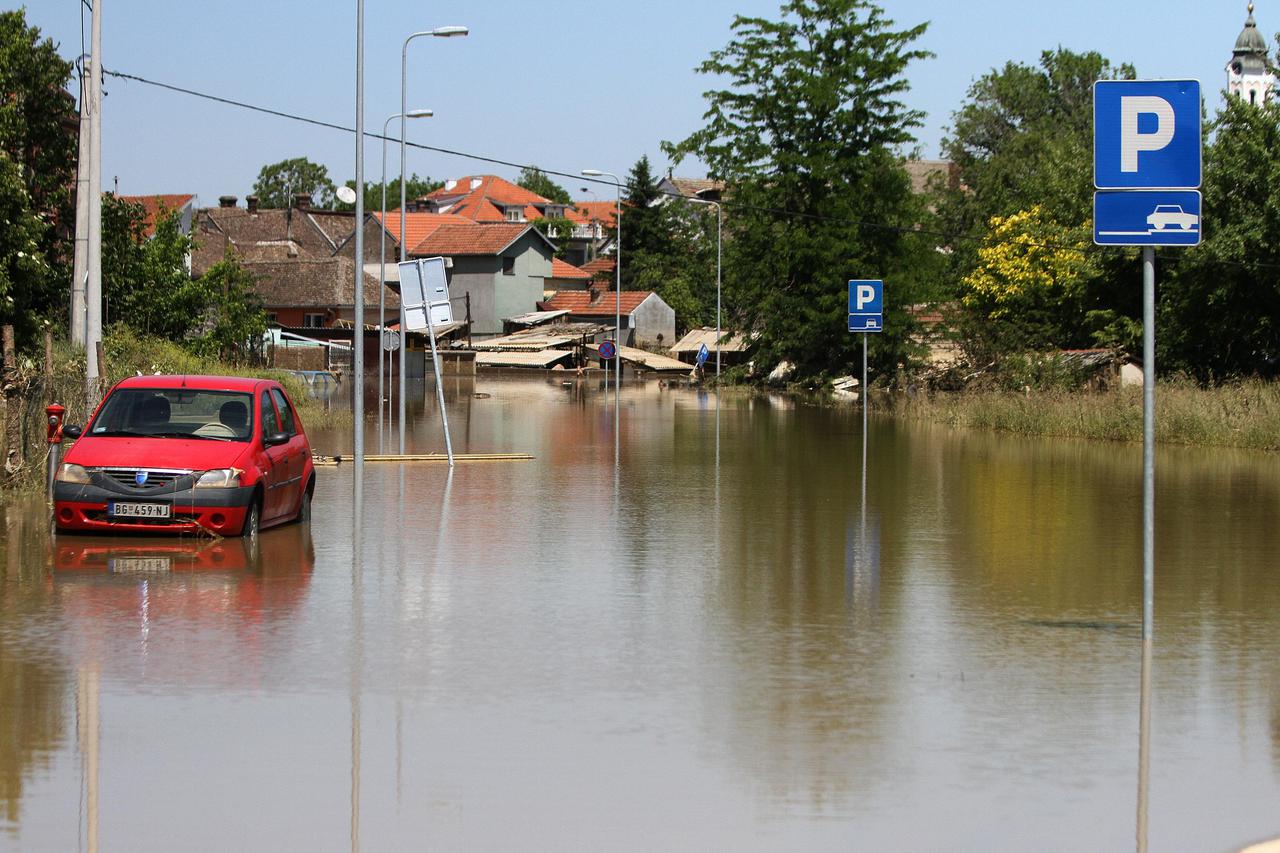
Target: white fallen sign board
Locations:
point(424, 288)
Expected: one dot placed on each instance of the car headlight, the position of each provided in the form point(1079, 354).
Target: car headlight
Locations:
point(219, 478)
point(69, 472)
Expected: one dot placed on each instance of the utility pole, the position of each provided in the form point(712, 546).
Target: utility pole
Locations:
point(93, 293)
point(80, 265)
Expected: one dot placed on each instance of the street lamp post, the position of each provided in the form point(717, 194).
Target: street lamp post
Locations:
point(357, 332)
point(382, 263)
point(617, 265)
point(719, 230)
point(438, 32)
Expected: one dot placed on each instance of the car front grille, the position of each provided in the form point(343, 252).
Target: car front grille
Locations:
point(156, 478)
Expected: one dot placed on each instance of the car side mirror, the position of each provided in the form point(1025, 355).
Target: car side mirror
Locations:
point(275, 438)
point(72, 431)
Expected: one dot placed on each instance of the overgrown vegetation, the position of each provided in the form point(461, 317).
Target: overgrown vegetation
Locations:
point(1242, 414)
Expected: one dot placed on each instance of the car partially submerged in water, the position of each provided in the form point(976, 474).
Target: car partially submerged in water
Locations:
point(187, 454)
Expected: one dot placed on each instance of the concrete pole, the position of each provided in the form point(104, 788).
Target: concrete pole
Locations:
point(93, 293)
point(357, 337)
point(81, 262)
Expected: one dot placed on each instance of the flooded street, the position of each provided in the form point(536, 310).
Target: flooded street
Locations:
point(697, 638)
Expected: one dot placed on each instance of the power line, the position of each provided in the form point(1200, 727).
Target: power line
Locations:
point(947, 238)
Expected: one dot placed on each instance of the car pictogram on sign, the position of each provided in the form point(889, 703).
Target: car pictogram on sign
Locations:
point(1172, 216)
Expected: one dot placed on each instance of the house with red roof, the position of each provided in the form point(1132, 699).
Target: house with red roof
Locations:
point(155, 205)
point(498, 269)
point(646, 318)
point(489, 198)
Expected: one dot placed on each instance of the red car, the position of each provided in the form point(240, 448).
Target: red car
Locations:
point(185, 454)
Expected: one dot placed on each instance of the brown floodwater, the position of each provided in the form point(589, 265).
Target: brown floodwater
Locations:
point(694, 636)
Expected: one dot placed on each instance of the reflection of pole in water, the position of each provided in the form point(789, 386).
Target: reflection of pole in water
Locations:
point(357, 662)
point(1144, 746)
point(862, 549)
point(1148, 527)
point(89, 730)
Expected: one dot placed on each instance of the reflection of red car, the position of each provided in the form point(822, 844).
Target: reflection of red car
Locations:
point(285, 553)
point(184, 454)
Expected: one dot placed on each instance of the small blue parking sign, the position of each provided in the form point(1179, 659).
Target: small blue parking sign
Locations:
point(866, 305)
point(1146, 134)
point(1146, 218)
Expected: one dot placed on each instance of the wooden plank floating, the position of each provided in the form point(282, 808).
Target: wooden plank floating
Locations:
point(425, 457)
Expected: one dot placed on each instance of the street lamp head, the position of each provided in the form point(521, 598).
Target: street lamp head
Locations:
point(419, 114)
point(593, 173)
point(446, 32)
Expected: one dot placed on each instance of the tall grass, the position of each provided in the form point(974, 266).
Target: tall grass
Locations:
point(1242, 414)
point(125, 354)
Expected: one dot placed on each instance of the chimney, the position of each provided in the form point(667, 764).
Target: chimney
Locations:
point(476, 182)
point(449, 185)
point(302, 201)
point(227, 201)
point(252, 201)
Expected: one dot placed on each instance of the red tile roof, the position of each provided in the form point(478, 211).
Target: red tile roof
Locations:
point(153, 204)
point(563, 269)
point(482, 204)
point(600, 267)
point(418, 225)
point(580, 303)
point(471, 238)
point(586, 212)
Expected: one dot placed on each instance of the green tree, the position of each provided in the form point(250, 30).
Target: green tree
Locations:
point(233, 317)
point(806, 136)
point(145, 280)
point(1219, 312)
point(1023, 141)
point(1024, 137)
point(1029, 289)
point(279, 182)
point(415, 188)
point(37, 172)
point(537, 181)
point(24, 269)
point(647, 224)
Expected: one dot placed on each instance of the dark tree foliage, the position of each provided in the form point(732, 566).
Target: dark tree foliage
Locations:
point(1219, 310)
point(646, 226)
point(1024, 139)
point(148, 288)
point(807, 136)
point(38, 141)
point(537, 181)
point(278, 183)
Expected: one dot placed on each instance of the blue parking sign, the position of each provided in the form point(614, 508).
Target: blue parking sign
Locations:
point(1146, 134)
point(866, 305)
point(1146, 217)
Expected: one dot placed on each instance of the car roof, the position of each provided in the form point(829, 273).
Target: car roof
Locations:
point(196, 382)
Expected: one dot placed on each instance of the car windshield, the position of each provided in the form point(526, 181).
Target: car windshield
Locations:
point(175, 413)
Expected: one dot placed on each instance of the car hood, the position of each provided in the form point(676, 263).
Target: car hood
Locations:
point(126, 452)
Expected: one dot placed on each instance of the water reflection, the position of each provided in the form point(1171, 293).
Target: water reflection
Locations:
point(704, 606)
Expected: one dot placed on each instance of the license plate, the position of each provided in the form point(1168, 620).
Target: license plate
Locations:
point(119, 565)
point(136, 510)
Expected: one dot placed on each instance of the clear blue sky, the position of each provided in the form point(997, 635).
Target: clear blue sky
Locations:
point(563, 85)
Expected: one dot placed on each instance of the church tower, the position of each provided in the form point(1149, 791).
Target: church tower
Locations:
point(1249, 74)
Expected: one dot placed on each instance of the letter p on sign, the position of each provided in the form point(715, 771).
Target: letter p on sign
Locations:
point(866, 294)
point(1132, 139)
point(1146, 134)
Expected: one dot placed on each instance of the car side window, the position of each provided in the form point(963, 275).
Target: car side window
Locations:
point(286, 412)
point(267, 413)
